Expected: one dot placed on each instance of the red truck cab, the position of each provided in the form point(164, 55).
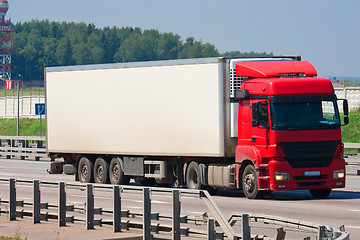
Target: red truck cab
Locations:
point(289, 129)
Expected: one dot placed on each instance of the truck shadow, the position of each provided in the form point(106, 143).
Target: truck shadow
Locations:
point(297, 195)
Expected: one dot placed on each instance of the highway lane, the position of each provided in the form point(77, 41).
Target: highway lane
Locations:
point(342, 207)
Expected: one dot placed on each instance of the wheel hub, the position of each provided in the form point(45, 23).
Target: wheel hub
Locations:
point(100, 173)
point(249, 182)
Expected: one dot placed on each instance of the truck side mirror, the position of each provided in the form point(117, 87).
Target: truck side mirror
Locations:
point(346, 107)
point(260, 115)
point(255, 114)
point(346, 112)
point(241, 94)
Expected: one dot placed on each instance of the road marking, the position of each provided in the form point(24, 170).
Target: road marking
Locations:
point(198, 213)
point(353, 227)
point(160, 202)
point(354, 210)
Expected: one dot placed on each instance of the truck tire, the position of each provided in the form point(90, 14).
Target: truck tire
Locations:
point(85, 170)
point(250, 183)
point(193, 176)
point(320, 193)
point(101, 171)
point(116, 172)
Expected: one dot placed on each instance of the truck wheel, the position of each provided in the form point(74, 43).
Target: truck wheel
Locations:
point(320, 193)
point(193, 176)
point(116, 172)
point(101, 171)
point(85, 170)
point(250, 183)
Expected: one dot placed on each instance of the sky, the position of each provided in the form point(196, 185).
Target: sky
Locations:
point(324, 32)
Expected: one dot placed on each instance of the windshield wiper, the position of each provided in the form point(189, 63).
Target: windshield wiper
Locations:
point(294, 128)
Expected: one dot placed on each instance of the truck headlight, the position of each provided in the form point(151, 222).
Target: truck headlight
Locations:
point(281, 176)
point(339, 174)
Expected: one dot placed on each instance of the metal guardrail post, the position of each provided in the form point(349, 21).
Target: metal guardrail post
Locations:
point(116, 210)
point(36, 201)
point(89, 207)
point(246, 227)
point(321, 232)
point(176, 204)
point(280, 235)
point(9, 144)
point(225, 225)
point(146, 214)
point(211, 233)
point(12, 200)
point(62, 205)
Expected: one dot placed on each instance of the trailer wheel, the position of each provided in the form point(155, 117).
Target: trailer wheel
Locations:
point(193, 176)
point(101, 171)
point(85, 170)
point(116, 172)
point(320, 193)
point(250, 183)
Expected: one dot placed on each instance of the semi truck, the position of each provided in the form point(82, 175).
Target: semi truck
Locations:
point(252, 124)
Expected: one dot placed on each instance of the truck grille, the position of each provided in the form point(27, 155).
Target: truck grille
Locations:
point(309, 154)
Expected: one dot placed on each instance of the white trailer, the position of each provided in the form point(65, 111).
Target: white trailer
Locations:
point(144, 116)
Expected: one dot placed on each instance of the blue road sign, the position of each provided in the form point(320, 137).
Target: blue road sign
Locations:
point(39, 108)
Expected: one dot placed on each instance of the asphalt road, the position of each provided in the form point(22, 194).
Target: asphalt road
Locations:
point(341, 208)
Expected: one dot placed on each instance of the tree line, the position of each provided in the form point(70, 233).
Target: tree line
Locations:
point(37, 44)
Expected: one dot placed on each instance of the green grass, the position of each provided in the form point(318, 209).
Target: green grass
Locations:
point(28, 126)
point(9, 238)
point(23, 92)
point(351, 132)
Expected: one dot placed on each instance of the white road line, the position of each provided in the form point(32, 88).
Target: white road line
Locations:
point(201, 213)
point(354, 210)
point(160, 202)
point(357, 227)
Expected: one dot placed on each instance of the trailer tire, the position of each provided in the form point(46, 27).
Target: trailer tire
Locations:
point(101, 171)
point(116, 172)
point(320, 193)
point(250, 183)
point(86, 170)
point(193, 176)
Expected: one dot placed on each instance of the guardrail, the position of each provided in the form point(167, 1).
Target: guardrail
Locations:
point(349, 148)
point(352, 149)
point(23, 147)
point(62, 207)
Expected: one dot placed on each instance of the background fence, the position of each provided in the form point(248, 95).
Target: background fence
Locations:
point(9, 106)
point(352, 94)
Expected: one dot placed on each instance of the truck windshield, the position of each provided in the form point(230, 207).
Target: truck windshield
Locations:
point(304, 114)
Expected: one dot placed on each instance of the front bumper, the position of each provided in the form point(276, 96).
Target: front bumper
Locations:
point(306, 178)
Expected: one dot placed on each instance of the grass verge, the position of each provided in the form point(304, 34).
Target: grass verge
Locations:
point(28, 126)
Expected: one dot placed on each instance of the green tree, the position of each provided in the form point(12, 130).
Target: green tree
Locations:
point(39, 43)
point(63, 52)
